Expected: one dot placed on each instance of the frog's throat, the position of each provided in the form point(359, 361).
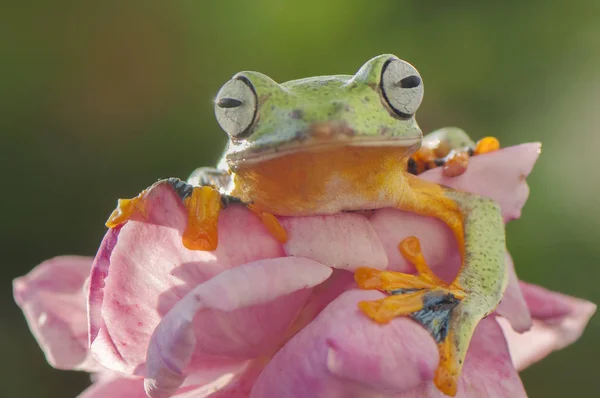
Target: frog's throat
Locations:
point(275, 151)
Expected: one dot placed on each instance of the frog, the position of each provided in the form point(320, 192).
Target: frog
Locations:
point(331, 144)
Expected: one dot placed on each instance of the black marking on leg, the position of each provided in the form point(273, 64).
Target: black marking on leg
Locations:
point(404, 291)
point(412, 166)
point(227, 200)
point(439, 162)
point(182, 188)
point(471, 151)
point(436, 314)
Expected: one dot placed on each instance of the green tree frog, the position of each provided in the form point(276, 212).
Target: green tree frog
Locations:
point(328, 144)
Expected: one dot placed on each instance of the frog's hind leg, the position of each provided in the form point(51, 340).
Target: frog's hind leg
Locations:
point(450, 311)
point(426, 299)
point(449, 148)
point(202, 202)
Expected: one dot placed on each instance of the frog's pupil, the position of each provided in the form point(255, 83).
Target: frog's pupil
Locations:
point(411, 81)
point(228, 103)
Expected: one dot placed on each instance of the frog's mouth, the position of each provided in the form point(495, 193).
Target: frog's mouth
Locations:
point(319, 137)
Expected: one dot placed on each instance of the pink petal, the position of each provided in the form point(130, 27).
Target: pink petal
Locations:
point(115, 387)
point(254, 304)
point(229, 385)
point(343, 353)
point(437, 241)
point(558, 321)
point(142, 270)
point(487, 372)
point(345, 241)
point(321, 296)
point(224, 385)
point(497, 175)
point(53, 300)
point(513, 306)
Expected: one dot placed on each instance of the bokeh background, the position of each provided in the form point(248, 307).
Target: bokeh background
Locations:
point(98, 100)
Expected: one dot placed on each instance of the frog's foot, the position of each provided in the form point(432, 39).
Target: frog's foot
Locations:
point(454, 162)
point(203, 205)
point(425, 298)
point(271, 223)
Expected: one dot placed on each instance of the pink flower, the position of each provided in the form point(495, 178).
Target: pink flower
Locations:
point(259, 319)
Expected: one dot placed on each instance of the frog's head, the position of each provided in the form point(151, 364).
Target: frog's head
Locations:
point(375, 107)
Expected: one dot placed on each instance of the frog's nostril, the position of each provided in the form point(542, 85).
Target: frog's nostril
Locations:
point(411, 81)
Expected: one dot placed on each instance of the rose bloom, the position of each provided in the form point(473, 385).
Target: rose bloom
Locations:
point(256, 318)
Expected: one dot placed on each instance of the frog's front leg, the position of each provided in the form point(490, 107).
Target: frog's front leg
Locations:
point(202, 199)
point(203, 205)
point(449, 148)
point(203, 196)
point(450, 311)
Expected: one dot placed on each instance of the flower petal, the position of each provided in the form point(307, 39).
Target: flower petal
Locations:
point(345, 241)
point(115, 387)
point(234, 384)
point(229, 385)
point(513, 306)
point(343, 352)
point(558, 321)
point(498, 175)
point(53, 300)
point(142, 269)
point(437, 242)
point(254, 305)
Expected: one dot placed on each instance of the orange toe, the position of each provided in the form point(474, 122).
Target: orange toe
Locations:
point(448, 371)
point(125, 209)
point(390, 307)
point(272, 224)
point(487, 144)
point(204, 206)
point(368, 278)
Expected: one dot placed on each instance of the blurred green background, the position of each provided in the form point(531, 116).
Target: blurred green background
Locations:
point(100, 100)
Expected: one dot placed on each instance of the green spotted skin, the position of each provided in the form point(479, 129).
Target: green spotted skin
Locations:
point(483, 275)
point(485, 246)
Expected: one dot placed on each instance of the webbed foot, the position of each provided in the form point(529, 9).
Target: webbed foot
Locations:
point(424, 298)
point(203, 205)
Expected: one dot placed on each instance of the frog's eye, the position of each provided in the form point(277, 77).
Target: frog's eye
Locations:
point(401, 87)
point(235, 107)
